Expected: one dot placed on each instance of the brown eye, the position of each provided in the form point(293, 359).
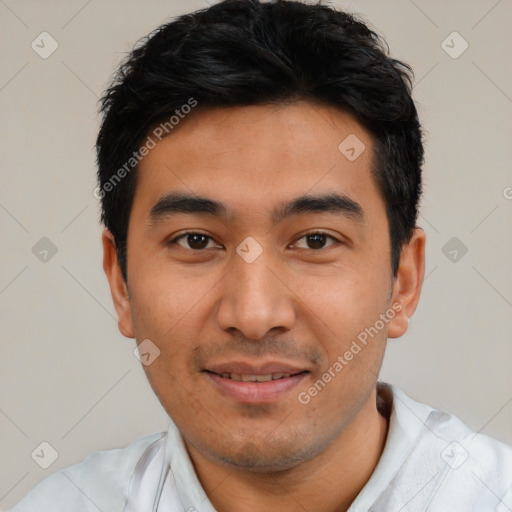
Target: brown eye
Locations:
point(197, 241)
point(194, 241)
point(317, 241)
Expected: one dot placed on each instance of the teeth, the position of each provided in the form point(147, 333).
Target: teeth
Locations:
point(263, 378)
point(255, 378)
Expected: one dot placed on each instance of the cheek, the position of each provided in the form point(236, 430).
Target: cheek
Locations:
point(345, 302)
point(163, 301)
point(172, 310)
point(345, 310)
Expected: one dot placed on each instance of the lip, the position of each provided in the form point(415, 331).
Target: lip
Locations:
point(255, 392)
point(244, 368)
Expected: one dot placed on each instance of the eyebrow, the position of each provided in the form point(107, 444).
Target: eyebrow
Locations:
point(176, 202)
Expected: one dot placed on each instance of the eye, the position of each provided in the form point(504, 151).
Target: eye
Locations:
point(317, 240)
point(199, 241)
point(194, 241)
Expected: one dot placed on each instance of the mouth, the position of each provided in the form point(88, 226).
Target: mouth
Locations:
point(255, 385)
point(256, 378)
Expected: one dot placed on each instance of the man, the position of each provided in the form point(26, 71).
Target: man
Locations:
point(259, 175)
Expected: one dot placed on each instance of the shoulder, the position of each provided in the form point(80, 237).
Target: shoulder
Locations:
point(488, 458)
point(468, 463)
point(488, 453)
point(100, 481)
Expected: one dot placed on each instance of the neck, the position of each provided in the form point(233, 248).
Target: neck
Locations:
point(329, 482)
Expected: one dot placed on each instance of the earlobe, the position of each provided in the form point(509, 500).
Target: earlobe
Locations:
point(118, 288)
point(408, 283)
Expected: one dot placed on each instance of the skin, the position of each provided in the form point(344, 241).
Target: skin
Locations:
point(296, 302)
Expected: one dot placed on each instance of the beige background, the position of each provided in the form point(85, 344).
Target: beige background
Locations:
point(69, 378)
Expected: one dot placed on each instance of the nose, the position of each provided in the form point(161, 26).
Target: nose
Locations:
point(255, 299)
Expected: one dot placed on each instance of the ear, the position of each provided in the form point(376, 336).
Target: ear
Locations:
point(118, 287)
point(408, 282)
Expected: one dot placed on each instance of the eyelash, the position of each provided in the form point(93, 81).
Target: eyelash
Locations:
point(175, 240)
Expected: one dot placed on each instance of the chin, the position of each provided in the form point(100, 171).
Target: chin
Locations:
point(269, 457)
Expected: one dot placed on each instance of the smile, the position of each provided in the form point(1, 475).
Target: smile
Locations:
point(251, 388)
point(255, 378)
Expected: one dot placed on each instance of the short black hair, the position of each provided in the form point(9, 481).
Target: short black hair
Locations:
point(247, 52)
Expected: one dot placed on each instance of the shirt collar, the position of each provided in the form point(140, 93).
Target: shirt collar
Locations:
point(189, 489)
point(406, 422)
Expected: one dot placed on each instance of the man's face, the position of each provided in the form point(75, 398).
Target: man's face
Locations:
point(249, 293)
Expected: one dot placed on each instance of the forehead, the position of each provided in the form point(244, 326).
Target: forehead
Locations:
point(253, 157)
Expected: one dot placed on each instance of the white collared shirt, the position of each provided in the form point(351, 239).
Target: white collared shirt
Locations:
point(431, 462)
